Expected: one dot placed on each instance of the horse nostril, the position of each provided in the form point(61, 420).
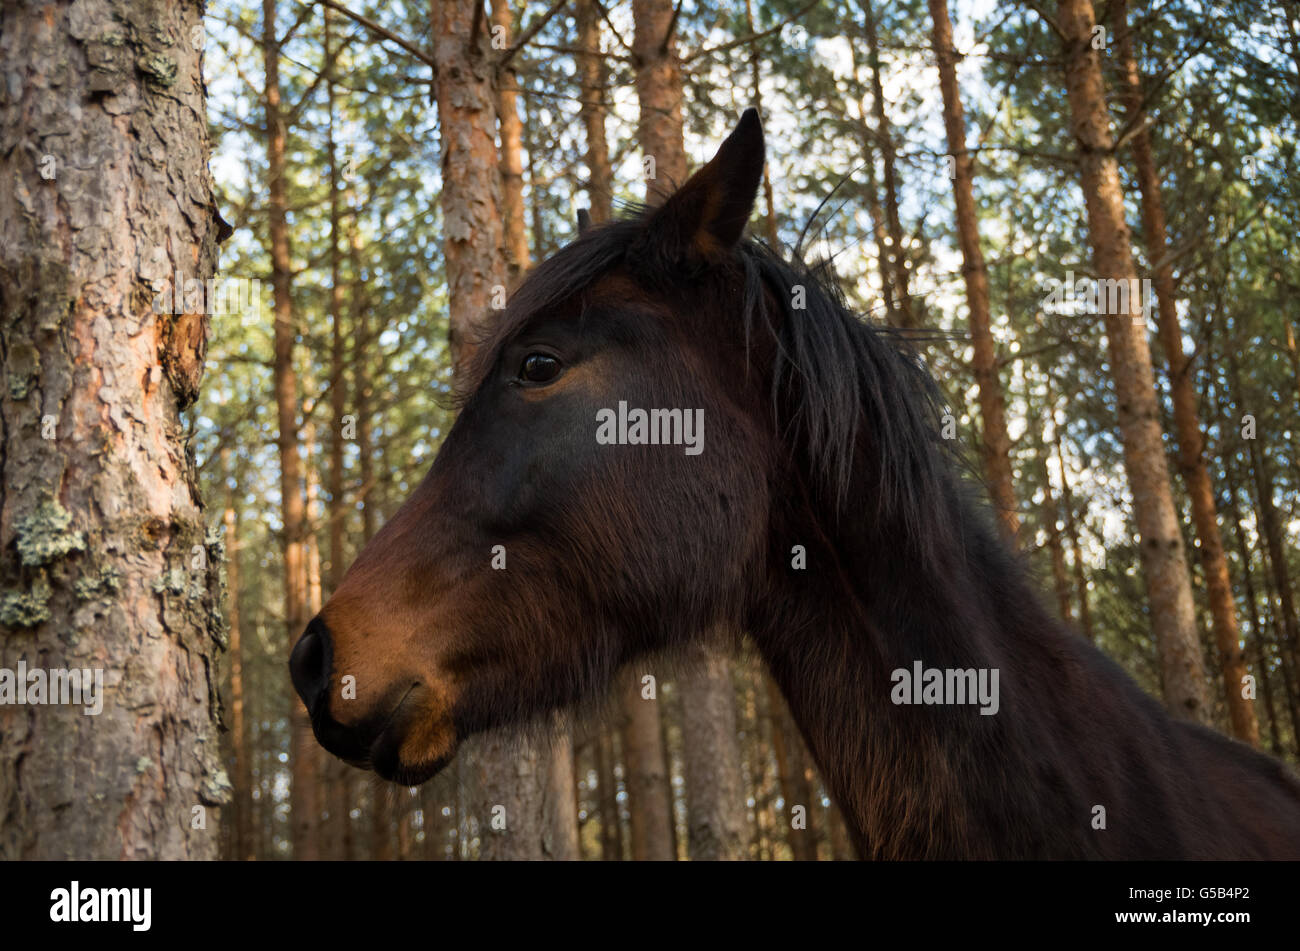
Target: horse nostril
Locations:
point(310, 662)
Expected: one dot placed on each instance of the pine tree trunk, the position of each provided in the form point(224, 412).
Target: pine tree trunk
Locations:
point(611, 846)
point(646, 776)
point(1270, 525)
point(871, 189)
point(1191, 458)
point(242, 848)
point(1072, 530)
point(337, 775)
point(1277, 576)
point(338, 383)
point(304, 802)
point(512, 169)
point(593, 77)
point(561, 834)
point(715, 799)
point(755, 77)
point(379, 835)
point(1051, 522)
point(1293, 351)
point(1252, 608)
point(906, 310)
point(1279, 610)
point(105, 560)
point(792, 765)
point(984, 362)
point(556, 758)
point(473, 239)
point(659, 132)
point(659, 94)
point(1164, 561)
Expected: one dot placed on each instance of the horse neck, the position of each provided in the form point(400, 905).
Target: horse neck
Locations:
point(912, 780)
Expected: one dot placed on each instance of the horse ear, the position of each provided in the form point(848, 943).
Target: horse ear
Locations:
point(707, 215)
point(584, 220)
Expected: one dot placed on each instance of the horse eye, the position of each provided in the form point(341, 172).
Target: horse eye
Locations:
point(539, 368)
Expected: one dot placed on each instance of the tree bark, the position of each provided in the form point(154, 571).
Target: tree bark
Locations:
point(715, 799)
point(380, 831)
point(473, 238)
point(105, 561)
point(646, 776)
point(884, 264)
point(304, 792)
point(1051, 522)
point(1281, 605)
point(1072, 530)
point(561, 842)
point(242, 846)
point(1164, 562)
point(338, 775)
point(512, 169)
point(659, 94)
point(792, 765)
point(1252, 608)
point(906, 315)
point(1270, 523)
point(1191, 442)
point(593, 77)
point(755, 77)
point(611, 845)
point(996, 443)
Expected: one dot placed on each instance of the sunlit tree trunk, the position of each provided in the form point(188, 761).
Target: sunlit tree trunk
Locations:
point(512, 169)
point(659, 133)
point(1051, 522)
point(303, 756)
point(755, 78)
point(593, 77)
point(473, 238)
point(337, 774)
point(611, 846)
point(1191, 458)
point(792, 761)
point(1072, 529)
point(1164, 561)
point(1252, 607)
point(884, 258)
point(984, 361)
point(242, 847)
point(1277, 576)
point(906, 315)
point(379, 835)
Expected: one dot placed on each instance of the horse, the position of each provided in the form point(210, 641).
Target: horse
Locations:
point(568, 526)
